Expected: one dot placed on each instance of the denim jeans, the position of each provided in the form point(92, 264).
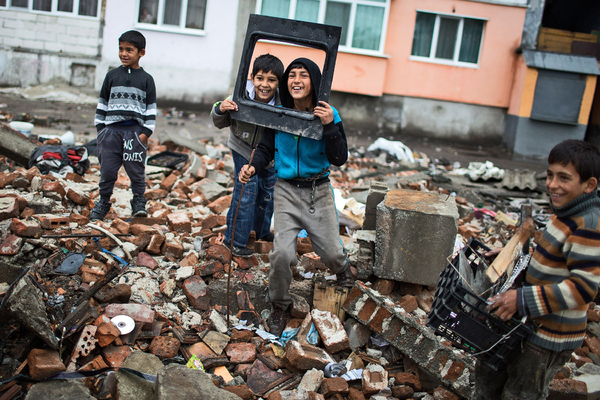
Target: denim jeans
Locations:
point(256, 208)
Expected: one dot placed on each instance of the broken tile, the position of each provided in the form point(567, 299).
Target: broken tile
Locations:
point(215, 340)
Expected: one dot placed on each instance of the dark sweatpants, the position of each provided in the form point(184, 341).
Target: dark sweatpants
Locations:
point(120, 145)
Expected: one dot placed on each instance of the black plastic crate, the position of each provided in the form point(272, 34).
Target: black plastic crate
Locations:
point(167, 159)
point(460, 315)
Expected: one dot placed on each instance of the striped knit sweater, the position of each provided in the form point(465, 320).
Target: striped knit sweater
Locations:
point(563, 275)
point(127, 94)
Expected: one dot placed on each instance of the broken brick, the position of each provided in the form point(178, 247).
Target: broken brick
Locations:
point(197, 293)
point(179, 222)
point(241, 391)
point(220, 205)
point(172, 249)
point(219, 253)
point(410, 380)
point(164, 347)
point(330, 330)
point(441, 393)
point(384, 286)
point(77, 197)
point(374, 379)
point(304, 356)
point(139, 312)
point(106, 333)
point(155, 244)
point(8, 208)
point(44, 363)
point(241, 352)
point(145, 260)
point(54, 187)
point(10, 244)
point(121, 226)
point(408, 303)
point(333, 386)
point(169, 181)
point(209, 268)
point(25, 227)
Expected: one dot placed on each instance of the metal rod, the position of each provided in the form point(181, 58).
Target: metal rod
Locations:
point(81, 235)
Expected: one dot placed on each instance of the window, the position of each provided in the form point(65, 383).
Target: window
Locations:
point(447, 38)
point(558, 96)
point(87, 8)
point(173, 14)
point(363, 22)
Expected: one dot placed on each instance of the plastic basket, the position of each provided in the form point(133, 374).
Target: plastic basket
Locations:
point(167, 159)
point(460, 315)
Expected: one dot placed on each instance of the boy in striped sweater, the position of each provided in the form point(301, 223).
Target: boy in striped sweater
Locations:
point(562, 279)
point(125, 119)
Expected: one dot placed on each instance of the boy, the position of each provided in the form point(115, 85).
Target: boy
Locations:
point(303, 196)
point(256, 207)
point(561, 280)
point(125, 119)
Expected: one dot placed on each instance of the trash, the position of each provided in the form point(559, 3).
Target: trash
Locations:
point(194, 363)
point(124, 323)
point(167, 159)
point(334, 369)
point(24, 127)
point(60, 160)
point(71, 263)
point(397, 149)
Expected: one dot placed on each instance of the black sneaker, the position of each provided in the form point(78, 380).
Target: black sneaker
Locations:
point(345, 278)
point(278, 319)
point(100, 210)
point(138, 206)
point(269, 237)
point(243, 252)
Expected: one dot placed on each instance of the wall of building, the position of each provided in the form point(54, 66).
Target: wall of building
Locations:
point(37, 48)
point(186, 68)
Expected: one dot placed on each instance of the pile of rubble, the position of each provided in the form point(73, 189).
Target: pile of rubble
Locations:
point(141, 307)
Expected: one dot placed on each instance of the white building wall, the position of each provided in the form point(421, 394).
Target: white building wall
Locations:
point(185, 67)
point(36, 48)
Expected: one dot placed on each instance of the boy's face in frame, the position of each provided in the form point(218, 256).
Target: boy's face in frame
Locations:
point(130, 55)
point(265, 85)
point(563, 183)
point(300, 85)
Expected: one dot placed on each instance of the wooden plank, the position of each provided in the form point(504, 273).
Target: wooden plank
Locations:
point(510, 253)
point(329, 298)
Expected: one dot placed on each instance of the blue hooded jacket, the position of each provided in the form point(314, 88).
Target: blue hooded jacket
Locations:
point(301, 157)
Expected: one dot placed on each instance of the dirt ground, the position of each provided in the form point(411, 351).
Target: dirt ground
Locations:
point(72, 109)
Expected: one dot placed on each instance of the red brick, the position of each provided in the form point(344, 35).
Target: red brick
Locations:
point(384, 286)
point(55, 187)
point(374, 379)
point(241, 352)
point(197, 293)
point(303, 246)
point(49, 221)
point(74, 177)
point(408, 303)
point(441, 393)
point(241, 391)
point(213, 221)
point(312, 262)
point(10, 244)
point(367, 310)
point(139, 312)
point(455, 370)
point(33, 171)
point(179, 222)
point(305, 357)
point(402, 392)
point(355, 394)
point(172, 249)
point(142, 229)
point(26, 227)
point(155, 194)
point(44, 363)
point(331, 330)
point(106, 333)
point(410, 288)
point(155, 245)
point(77, 197)
point(120, 293)
point(219, 253)
point(77, 218)
point(220, 205)
point(593, 315)
point(425, 300)
point(122, 226)
point(169, 181)
point(197, 197)
point(164, 347)
point(189, 261)
point(209, 268)
point(20, 200)
point(379, 318)
point(9, 208)
point(333, 386)
point(262, 247)
point(410, 380)
point(593, 344)
point(241, 336)
point(95, 364)
point(567, 389)
point(6, 178)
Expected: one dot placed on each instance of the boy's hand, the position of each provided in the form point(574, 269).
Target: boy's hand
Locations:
point(325, 112)
point(144, 139)
point(505, 304)
point(228, 105)
point(246, 173)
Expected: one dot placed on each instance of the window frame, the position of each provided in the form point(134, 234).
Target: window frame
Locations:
point(454, 62)
point(54, 10)
point(353, 6)
point(181, 29)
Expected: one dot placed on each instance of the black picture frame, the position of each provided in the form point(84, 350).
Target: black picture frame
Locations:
point(308, 34)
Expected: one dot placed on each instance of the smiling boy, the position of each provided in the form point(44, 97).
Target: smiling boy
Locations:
point(125, 119)
point(256, 207)
point(562, 279)
point(303, 196)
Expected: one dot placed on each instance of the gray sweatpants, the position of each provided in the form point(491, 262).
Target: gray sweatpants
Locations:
point(290, 217)
point(120, 145)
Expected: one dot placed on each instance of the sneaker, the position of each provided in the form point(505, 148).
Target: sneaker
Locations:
point(345, 278)
point(100, 210)
point(138, 206)
point(243, 252)
point(278, 319)
point(269, 237)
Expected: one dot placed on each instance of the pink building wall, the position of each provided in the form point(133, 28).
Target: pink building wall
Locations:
point(394, 73)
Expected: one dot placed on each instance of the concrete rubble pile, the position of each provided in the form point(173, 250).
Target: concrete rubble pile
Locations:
point(143, 300)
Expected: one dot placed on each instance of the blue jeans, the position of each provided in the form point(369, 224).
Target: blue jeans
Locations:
point(256, 208)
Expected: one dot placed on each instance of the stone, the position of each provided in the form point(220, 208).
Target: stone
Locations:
point(300, 307)
point(220, 324)
point(164, 347)
point(330, 330)
point(305, 357)
point(311, 381)
point(211, 190)
point(43, 205)
point(240, 353)
point(131, 386)
point(215, 340)
point(374, 379)
point(297, 394)
point(177, 382)
point(197, 293)
point(59, 390)
point(415, 235)
point(9, 208)
point(333, 386)
point(44, 363)
point(241, 391)
point(26, 227)
point(402, 392)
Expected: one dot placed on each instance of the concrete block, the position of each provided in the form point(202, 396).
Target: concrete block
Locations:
point(412, 339)
point(211, 190)
point(376, 195)
point(415, 235)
